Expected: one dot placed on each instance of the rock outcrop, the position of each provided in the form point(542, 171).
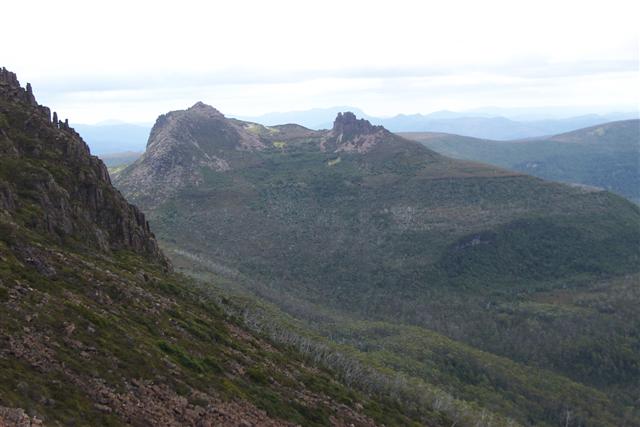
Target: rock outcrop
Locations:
point(348, 125)
point(50, 182)
point(16, 417)
point(350, 134)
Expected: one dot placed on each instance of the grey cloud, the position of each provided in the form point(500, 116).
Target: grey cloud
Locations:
point(248, 76)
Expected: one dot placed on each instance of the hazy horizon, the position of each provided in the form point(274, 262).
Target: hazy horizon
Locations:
point(515, 114)
point(132, 62)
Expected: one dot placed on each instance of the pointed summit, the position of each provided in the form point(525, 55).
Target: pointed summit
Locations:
point(184, 146)
point(201, 107)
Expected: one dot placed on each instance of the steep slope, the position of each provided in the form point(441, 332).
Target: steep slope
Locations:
point(357, 229)
point(605, 156)
point(96, 330)
point(51, 182)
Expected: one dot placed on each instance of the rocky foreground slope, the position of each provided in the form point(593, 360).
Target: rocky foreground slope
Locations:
point(96, 330)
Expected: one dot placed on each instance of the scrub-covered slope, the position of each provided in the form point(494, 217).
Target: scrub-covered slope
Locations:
point(360, 205)
point(362, 234)
point(96, 330)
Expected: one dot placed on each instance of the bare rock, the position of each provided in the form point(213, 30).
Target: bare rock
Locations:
point(82, 204)
point(350, 134)
point(16, 417)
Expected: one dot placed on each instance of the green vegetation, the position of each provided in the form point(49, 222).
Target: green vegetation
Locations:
point(604, 156)
point(394, 286)
point(96, 330)
point(425, 266)
point(552, 361)
point(107, 321)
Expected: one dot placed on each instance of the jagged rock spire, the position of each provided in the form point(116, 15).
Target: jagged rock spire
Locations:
point(9, 78)
point(354, 135)
point(349, 125)
point(10, 89)
point(85, 206)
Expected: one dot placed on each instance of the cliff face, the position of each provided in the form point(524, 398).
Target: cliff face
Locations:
point(50, 182)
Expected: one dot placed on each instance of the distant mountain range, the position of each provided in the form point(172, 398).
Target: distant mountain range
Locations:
point(108, 138)
point(605, 156)
point(478, 124)
point(499, 124)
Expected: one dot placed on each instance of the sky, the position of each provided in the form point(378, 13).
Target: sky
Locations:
point(133, 60)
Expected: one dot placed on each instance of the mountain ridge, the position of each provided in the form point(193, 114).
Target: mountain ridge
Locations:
point(477, 124)
point(72, 208)
point(364, 244)
point(604, 156)
point(186, 145)
point(108, 139)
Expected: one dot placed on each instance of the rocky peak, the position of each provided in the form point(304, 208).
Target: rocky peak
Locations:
point(348, 124)
point(11, 90)
point(201, 126)
point(202, 108)
point(182, 146)
point(352, 134)
point(46, 167)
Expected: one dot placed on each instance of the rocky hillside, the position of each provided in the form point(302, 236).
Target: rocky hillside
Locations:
point(454, 273)
point(50, 183)
point(173, 165)
point(96, 330)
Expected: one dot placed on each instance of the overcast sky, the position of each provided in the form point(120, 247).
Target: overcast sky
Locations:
point(133, 60)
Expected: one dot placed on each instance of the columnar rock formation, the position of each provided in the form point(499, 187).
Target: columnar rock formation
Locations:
point(10, 89)
point(82, 205)
point(350, 134)
point(348, 125)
